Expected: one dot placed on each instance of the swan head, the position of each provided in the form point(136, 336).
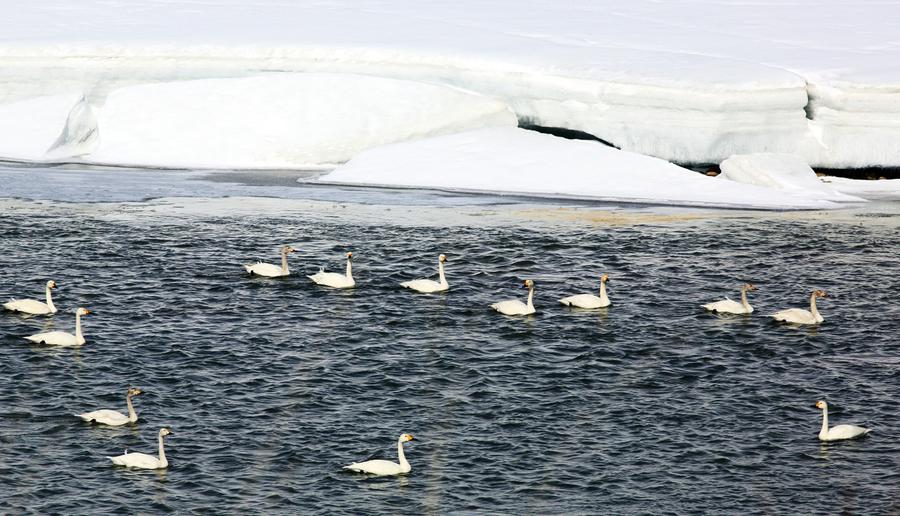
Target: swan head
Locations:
point(750, 286)
point(287, 249)
point(165, 431)
point(406, 437)
point(350, 256)
point(604, 278)
point(134, 391)
point(82, 311)
point(820, 293)
point(51, 284)
point(821, 405)
point(442, 258)
point(528, 284)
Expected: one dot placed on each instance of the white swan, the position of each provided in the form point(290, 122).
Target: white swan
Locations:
point(589, 300)
point(334, 279)
point(428, 286)
point(270, 270)
point(142, 460)
point(801, 316)
point(62, 338)
point(385, 467)
point(113, 417)
point(516, 307)
point(33, 306)
point(727, 306)
point(838, 432)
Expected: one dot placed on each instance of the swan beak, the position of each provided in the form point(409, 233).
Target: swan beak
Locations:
point(86, 311)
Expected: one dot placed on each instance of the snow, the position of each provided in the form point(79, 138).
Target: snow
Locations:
point(875, 190)
point(694, 81)
point(516, 161)
point(29, 128)
point(786, 172)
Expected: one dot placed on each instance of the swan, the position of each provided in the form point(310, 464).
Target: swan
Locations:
point(142, 460)
point(727, 306)
point(385, 467)
point(269, 270)
point(516, 307)
point(334, 279)
point(428, 286)
point(33, 306)
point(61, 338)
point(838, 432)
point(589, 300)
point(800, 316)
point(113, 417)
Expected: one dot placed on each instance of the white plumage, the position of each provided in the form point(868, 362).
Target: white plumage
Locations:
point(801, 316)
point(270, 270)
point(33, 306)
point(727, 306)
point(838, 432)
point(383, 467)
point(516, 307)
point(589, 301)
point(427, 286)
point(335, 280)
point(114, 417)
point(61, 338)
point(142, 460)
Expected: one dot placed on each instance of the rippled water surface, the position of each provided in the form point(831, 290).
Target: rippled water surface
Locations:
point(270, 386)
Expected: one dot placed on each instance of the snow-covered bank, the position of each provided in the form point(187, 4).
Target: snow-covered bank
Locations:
point(785, 172)
point(692, 82)
point(516, 161)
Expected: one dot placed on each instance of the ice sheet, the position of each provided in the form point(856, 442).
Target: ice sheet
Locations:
point(786, 172)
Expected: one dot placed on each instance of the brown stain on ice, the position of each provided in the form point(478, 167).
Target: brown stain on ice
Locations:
point(608, 217)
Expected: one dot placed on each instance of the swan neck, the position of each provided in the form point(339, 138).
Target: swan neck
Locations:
point(401, 457)
point(812, 307)
point(744, 299)
point(603, 296)
point(132, 415)
point(284, 265)
point(441, 278)
point(50, 300)
point(824, 430)
point(530, 298)
point(349, 268)
point(162, 453)
point(78, 336)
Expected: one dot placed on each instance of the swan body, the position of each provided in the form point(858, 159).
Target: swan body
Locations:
point(727, 306)
point(270, 270)
point(516, 307)
point(334, 279)
point(427, 286)
point(838, 432)
point(113, 417)
point(142, 460)
point(589, 301)
point(61, 338)
point(383, 467)
point(33, 306)
point(800, 316)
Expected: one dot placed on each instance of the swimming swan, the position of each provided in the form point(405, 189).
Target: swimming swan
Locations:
point(801, 316)
point(269, 270)
point(428, 286)
point(61, 338)
point(142, 460)
point(113, 417)
point(385, 467)
point(727, 306)
point(334, 279)
point(839, 432)
point(33, 306)
point(516, 307)
point(589, 300)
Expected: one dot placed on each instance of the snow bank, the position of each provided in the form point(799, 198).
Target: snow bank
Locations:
point(515, 161)
point(30, 127)
point(279, 120)
point(785, 172)
point(882, 189)
point(692, 82)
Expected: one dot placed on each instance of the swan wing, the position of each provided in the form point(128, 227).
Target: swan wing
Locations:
point(105, 417)
point(28, 306)
point(511, 307)
point(136, 460)
point(726, 306)
point(794, 315)
point(58, 338)
point(424, 285)
point(332, 279)
point(583, 301)
point(264, 269)
point(846, 432)
point(376, 467)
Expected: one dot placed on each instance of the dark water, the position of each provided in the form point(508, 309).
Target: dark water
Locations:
point(270, 386)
